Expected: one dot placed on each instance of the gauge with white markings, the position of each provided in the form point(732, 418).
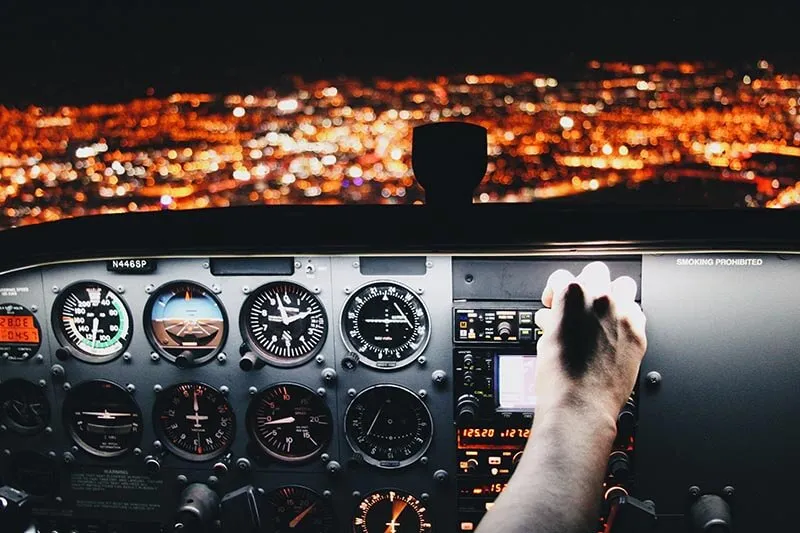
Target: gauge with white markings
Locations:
point(185, 322)
point(194, 421)
point(92, 321)
point(102, 418)
point(388, 426)
point(386, 324)
point(289, 422)
point(284, 323)
point(392, 511)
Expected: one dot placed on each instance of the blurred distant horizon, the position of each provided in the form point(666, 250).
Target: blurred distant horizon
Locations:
point(614, 133)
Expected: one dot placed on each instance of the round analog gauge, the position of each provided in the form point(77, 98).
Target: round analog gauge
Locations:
point(289, 422)
point(20, 334)
point(391, 510)
point(186, 323)
point(25, 409)
point(296, 509)
point(284, 323)
point(388, 425)
point(195, 421)
point(92, 320)
point(103, 418)
point(386, 324)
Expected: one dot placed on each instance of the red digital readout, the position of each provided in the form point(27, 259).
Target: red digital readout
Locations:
point(493, 438)
point(18, 329)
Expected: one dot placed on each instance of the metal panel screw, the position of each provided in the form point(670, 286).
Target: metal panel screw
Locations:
point(653, 378)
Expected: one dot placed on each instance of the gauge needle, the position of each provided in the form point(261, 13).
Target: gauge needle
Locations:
point(387, 320)
point(397, 509)
point(402, 314)
point(287, 420)
point(298, 316)
point(282, 309)
point(378, 414)
point(296, 520)
point(95, 325)
point(196, 406)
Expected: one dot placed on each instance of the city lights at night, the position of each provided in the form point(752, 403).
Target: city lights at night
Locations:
point(617, 126)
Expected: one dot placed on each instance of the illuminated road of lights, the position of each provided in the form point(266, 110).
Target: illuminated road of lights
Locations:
point(694, 128)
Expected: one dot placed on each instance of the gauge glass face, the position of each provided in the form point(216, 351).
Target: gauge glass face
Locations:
point(103, 418)
point(389, 426)
point(25, 409)
point(393, 511)
point(284, 323)
point(386, 324)
point(186, 318)
point(93, 320)
point(289, 422)
point(295, 509)
point(20, 334)
point(195, 421)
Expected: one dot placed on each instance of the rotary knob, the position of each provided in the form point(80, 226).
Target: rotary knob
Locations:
point(504, 329)
point(619, 465)
point(472, 464)
point(466, 409)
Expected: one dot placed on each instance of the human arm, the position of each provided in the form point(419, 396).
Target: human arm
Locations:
point(587, 362)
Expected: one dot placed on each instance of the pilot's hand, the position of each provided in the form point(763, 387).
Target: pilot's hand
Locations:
point(592, 344)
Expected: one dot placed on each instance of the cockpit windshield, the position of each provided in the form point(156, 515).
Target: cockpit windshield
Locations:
point(138, 108)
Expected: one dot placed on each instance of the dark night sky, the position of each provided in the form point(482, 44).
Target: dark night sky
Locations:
point(85, 51)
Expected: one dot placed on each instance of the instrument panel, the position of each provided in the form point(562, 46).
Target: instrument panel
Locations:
point(341, 393)
point(130, 385)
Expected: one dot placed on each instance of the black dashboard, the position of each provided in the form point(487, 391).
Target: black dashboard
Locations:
point(372, 372)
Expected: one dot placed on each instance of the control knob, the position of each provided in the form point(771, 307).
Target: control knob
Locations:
point(468, 379)
point(472, 464)
point(619, 465)
point(185, 359)
point(468, 362)
point(466, 409)
point(515, 460)
point(152, 464)
point(626, 421)
point(711, 514)
point(198, 509)
point(504, 329)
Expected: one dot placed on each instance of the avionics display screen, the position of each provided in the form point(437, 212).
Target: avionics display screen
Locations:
point(516, 382)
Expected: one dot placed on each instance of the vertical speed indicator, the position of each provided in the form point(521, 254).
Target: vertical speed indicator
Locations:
point(92, 321)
